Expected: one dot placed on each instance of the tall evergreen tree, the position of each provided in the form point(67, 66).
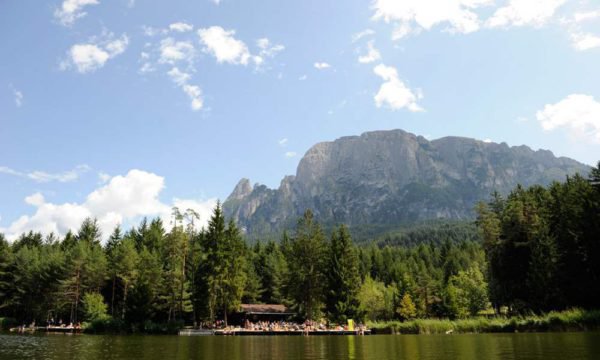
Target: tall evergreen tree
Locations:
point(343, 277)
point(306, 259)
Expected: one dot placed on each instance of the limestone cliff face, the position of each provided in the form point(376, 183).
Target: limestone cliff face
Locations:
point(392, 178)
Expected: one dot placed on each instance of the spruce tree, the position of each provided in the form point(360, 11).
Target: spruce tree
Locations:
point(343, 277)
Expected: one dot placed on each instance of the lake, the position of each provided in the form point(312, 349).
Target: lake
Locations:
point(526, 346)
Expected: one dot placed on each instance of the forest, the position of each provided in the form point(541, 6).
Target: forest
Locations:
point(533, 251)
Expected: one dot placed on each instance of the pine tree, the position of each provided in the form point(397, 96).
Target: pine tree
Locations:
point(306, 259)
point(125, 262)
point(343, 277)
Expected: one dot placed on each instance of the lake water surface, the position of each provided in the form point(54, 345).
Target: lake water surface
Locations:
point(548, 346)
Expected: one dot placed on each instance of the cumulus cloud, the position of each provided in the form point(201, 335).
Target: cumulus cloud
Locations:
point(71, 10)
point(372, 54)
point(321, 65)
point(88, 57)
point(124, 199)
point(44, 177)
point(585, 41)
point(412, 16)
point(172, 51)
point(577, 113)
point(181, 79)
point(586, 16)
point(222, 44)
point(524, 12)
point(393, 93)
point(290, 154)
point(36, 199)
point(181, 27)
point(579, 31)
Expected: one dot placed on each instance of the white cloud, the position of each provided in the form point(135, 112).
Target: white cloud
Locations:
point(585, 41)
point(89, 57)
point(524, 13)
point(283, 142)
point(487, 140)
point(147, 67)
point(172, 51)
point(123, 199)
point(152, 31)
point(43, 177)
point(18, 97)
point(321, 65)
point(71, 10)
point(216, 2)
point(221, 44)
point(411, 16)
point(290, 154)
point(179, 77)
point(578, 113)
point(268, 49)
point(393, 93)
point(192, 91)
point(195, 95)
point(36, 199)
point(117, 46)
point(362, 34)
point(181, 27)
point(586, 16)
point(371, 56)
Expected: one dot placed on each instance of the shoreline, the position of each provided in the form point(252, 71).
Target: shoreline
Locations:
point(554, 321)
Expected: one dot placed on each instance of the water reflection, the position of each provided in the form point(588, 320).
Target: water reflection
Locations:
point(465, 347)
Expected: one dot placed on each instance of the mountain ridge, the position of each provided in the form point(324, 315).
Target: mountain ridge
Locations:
point(393, 177)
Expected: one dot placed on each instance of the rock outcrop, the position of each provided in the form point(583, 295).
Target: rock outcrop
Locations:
point(390, 178)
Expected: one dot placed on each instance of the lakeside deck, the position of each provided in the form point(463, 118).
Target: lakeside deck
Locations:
point(246, 332)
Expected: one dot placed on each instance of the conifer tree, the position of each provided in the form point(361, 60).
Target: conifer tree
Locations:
point(343, 277)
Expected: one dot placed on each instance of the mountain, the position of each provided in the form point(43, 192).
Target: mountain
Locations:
point(386, 179)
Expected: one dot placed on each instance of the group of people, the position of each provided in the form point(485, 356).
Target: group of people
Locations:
point(307, 326)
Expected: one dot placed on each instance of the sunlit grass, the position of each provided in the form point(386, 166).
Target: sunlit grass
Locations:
point(567, 320)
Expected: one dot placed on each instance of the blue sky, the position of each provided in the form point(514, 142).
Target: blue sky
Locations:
point(120, 109)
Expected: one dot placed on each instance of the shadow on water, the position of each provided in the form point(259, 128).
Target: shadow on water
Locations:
point(528, 346)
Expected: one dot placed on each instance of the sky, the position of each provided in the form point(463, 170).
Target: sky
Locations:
point(122, 109)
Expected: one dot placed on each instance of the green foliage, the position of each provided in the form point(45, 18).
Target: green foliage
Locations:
point(535, 251)
point(542, 246)
point(343, 277)
point(305, 254)
point(376, 299)
point(407, 309)
point(224, 272)
point(467, 293)
point(567, 320)
point(94, 306)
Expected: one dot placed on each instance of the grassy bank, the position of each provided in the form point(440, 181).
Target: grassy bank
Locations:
point(568, 320)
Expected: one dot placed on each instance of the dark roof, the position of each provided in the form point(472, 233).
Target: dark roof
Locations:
point(264, 309)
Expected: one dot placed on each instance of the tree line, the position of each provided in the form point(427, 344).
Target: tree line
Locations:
point(543, 245)
point(539, 250)
point(149, 274)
